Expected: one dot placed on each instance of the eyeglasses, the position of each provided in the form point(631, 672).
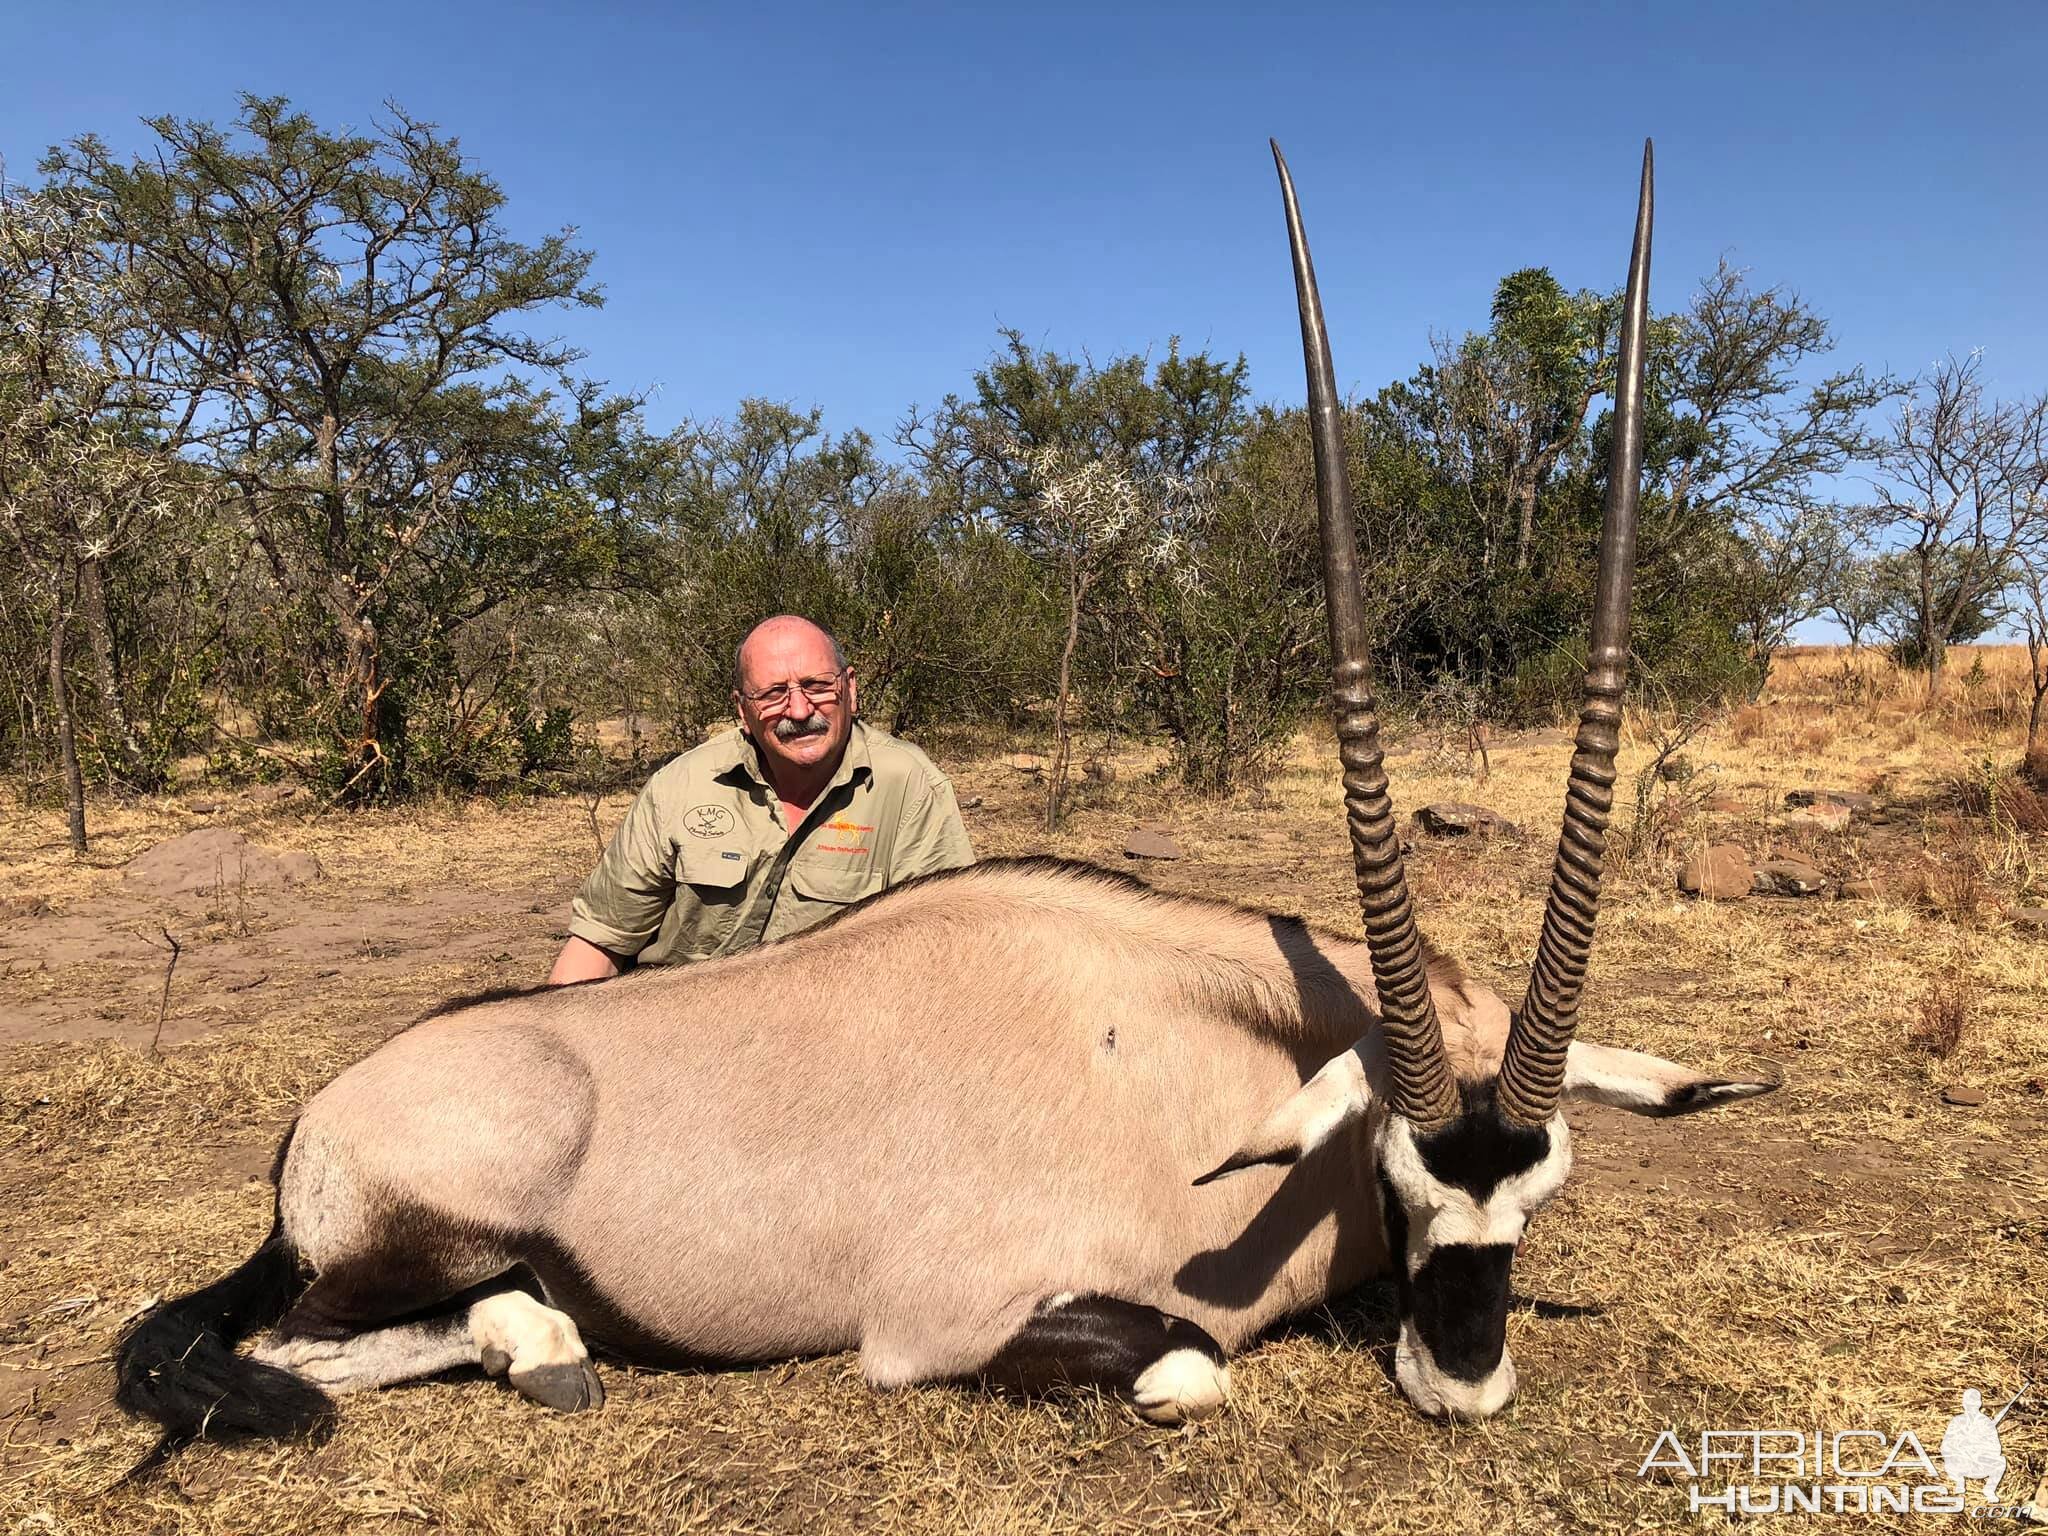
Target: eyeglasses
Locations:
point(819, 690)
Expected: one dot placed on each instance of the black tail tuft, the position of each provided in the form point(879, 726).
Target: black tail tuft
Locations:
point(178, 1365)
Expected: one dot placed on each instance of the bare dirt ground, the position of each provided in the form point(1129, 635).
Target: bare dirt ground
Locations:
point(1850, 1252)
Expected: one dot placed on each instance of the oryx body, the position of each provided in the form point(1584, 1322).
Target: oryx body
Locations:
point(976, 1128)
point(899, 1134)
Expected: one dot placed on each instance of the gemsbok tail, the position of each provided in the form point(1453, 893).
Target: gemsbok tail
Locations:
point(178, 1365)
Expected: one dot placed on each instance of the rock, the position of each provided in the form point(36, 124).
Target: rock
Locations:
point(1788, 877)
point(1151, 843)
point(1025, 762)
point(1102, 773)
point(271, 794)
point(971, 803)
point(1825, 817)
point(215, 861)
point(1451, 818)
point(202, 807)
point(2034, 918)
point(12, 907)
point(1722, 873)
point(1968, 1098)
point(1724, 805)
point(1858, 890)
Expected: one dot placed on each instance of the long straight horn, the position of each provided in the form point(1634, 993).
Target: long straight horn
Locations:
point(1423, 1092)
point(1532, 1072)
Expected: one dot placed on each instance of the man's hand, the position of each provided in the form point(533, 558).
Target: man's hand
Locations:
point(581, 960)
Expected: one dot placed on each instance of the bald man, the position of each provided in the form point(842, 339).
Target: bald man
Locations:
point(763, 831)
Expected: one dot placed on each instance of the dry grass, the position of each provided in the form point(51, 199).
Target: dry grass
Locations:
point(1945, 1010)
point(1849, 1252)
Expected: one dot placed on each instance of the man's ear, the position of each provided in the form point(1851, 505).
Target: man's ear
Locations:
point(852, 691)
point(1316, 1111)
point(1645, 1084)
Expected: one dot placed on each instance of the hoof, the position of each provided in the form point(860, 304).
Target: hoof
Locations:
point(1182, 1385)
point(569, 1387)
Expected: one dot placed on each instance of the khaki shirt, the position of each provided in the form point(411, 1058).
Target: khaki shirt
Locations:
point(703, 864)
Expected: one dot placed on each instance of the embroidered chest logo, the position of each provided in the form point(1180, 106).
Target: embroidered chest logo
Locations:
point(708, 820)
point(849, 836)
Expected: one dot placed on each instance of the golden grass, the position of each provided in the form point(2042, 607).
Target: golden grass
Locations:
point(1849, 1252)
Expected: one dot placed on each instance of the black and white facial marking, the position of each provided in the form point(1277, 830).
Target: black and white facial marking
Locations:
point(1455, 1205)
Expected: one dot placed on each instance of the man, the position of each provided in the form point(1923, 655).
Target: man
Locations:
point(763, 831)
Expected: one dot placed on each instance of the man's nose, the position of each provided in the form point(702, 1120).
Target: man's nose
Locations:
point(799, 705)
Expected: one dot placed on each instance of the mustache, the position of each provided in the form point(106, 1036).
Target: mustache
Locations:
point(787, 729)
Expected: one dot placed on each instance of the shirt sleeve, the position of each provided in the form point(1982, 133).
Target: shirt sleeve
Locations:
point(932, 836)
point(621, 905)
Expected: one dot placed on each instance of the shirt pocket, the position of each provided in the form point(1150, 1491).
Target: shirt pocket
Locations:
point(834, 886)
point(717, 876)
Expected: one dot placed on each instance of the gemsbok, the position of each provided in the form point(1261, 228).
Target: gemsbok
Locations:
point(990, 1126)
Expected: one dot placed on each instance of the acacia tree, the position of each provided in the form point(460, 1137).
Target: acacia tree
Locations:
point(2032, 592)
point(1503, 408)
point(1963, 493)
point(342, 347)
point(1083, 468)
point(83, 467)
point(1853, 597)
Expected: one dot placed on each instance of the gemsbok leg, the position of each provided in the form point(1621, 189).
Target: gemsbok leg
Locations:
point(508, 1333)
point(1169, 1368)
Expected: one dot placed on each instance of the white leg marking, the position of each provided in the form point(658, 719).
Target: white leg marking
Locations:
point(1181, 1384)
point(537, 1348)
point(377, 1358)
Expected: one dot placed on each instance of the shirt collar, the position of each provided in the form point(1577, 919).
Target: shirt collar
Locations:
point(744, 759)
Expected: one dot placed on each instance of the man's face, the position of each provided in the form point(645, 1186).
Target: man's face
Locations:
point(795, 731)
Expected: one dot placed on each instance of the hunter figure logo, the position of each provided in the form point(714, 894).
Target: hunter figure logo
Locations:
point(1846, 1471)
point(1970, 1448)
point(708, 820)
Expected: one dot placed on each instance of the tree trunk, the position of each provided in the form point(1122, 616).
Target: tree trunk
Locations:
point(1056, 779)
point(67, 739)
point(1525, 535)
point(2032, 758)
point(363, 734)
point(92, 607)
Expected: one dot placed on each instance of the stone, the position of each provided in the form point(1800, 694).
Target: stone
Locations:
point(1025, 762)
point(1967, 1098)
point(971, 803)
point(1724, 805)
point(1788, 877)
point(1825, 817)
point(12, 907)
point(202, 807)
point(268, 794)
point(1102, 773)
point(1151, 843)
point(1452, 818)
point(2033, 918)
point(1858, 890)
point(1721, 873)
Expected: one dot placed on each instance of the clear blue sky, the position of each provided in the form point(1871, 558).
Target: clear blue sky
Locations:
point(837, 204)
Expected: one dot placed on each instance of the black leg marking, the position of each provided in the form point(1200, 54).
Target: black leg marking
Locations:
point(420, 1263)
point(1169, 1366)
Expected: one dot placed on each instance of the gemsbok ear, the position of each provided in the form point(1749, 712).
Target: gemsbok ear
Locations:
point(1644, 1084)
point(1311, 1115)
